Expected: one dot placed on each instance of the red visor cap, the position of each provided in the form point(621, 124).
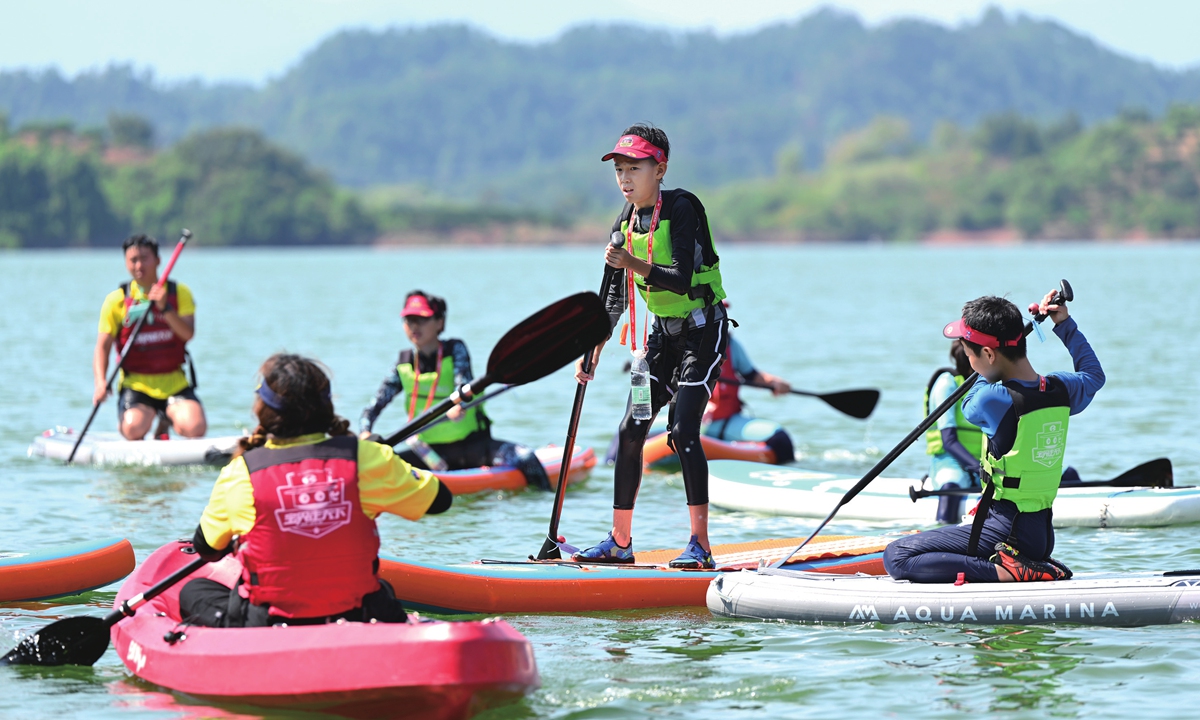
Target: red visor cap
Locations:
point(637, 148)
point(417, 306)
point(960, 329)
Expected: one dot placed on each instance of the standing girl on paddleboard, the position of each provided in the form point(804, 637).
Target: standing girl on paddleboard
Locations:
point(429, 373)
point(672, 271)
point(302, 493)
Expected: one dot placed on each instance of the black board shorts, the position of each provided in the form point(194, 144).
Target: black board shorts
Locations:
point(130, 397)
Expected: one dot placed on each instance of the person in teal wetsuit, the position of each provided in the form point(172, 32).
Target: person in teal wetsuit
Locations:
point(954, 444)
point(724, 418)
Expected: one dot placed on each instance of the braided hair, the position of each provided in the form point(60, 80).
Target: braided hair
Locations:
point(301, 389)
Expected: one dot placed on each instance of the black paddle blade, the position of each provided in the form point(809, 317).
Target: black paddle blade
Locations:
point(70, 641)
point(1156, 473)
point(549, 339)
point(855, 403)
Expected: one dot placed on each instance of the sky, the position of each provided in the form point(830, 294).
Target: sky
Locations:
point(255, 40)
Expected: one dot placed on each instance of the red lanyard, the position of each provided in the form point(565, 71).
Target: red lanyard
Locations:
point(412, 406)
point(631, 286)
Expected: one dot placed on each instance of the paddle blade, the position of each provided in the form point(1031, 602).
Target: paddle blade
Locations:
point(855, 403)
point(549, 339)
point(70, 641)
point(1156, 473)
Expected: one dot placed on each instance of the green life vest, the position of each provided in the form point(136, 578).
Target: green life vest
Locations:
point(473, 419)
point(970, 436)
point(706, 280)
point(1029, 473)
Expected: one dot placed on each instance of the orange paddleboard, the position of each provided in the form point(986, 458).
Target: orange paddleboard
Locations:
point(493, 586)
point(67, 570)
point(506, 477)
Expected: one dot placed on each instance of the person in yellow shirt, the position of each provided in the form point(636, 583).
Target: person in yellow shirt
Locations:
point(301, 496)
point(152, 379)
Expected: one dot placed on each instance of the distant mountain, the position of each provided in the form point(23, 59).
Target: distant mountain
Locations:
point(454, 110)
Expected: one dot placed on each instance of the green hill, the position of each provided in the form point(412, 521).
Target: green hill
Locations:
point(460, 113)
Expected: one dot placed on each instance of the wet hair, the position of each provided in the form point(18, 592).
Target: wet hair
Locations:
point(437, 304)
point(962, 366)
point(303, 387)
point(999, 317)
point(140, 241)
point(651, 134)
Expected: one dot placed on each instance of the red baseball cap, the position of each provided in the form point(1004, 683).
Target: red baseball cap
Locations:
point(637, 148)
point(960, 329)
point(417, 305)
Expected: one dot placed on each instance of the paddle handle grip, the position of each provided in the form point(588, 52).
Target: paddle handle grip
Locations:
point(185, 235)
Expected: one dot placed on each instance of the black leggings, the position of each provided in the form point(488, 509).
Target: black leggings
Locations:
point(480, 449)
point(690, 366)
point(939, 555)
point(208, 603)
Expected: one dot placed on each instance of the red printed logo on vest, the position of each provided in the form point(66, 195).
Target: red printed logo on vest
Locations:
point(313, 503)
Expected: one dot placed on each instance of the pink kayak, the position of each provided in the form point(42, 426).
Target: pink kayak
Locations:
point(425, 669)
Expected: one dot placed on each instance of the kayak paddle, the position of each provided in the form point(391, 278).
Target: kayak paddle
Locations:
point(549, 550)
point(855, 403)
point(1156, 473)
point(1062, 295)
point(141, 320)
point(534, 348)
point(82, 640)
point(468, 405)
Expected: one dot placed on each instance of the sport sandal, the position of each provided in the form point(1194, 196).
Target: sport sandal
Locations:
point(607, 551)
point(694, 557)
point(1024, 570)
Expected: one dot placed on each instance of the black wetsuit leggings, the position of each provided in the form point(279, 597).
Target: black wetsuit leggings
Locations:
point(480, 449)
point(689, 367)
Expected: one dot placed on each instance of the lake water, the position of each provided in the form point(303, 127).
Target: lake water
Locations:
point(827, 318)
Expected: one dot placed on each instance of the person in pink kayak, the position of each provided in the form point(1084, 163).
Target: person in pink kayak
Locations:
point(300, 497)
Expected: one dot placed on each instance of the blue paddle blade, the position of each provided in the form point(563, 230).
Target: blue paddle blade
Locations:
point(1037, 328)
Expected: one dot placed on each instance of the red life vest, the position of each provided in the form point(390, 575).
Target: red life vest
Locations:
point(157, 349)
point(312, 552)
point(725, 401)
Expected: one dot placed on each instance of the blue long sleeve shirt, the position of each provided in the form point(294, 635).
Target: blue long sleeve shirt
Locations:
point(990, 406)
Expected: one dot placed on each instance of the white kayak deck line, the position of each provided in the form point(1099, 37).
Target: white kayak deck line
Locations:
point(773, 490)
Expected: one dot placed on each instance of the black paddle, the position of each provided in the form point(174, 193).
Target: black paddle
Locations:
point(1063, 295)
point(82, 640)
point(549, 549)
point(187, 235)
point(1156, 473)
point(468, 405)
point(855, 403)
point(534, 348)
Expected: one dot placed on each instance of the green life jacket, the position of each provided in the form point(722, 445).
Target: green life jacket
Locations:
point(473, 419)
point(1029, 473)
point(706, 286)
point(970, 436)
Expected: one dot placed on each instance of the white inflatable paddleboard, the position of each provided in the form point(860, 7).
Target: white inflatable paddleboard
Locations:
point(1120, 599)
point(111, 449)
point(774, 490)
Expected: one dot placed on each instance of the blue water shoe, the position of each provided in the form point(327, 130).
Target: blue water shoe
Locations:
point(607, 551)
point(694, 557)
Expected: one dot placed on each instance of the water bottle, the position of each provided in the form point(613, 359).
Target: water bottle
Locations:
point(639, 381)
point(428, 455)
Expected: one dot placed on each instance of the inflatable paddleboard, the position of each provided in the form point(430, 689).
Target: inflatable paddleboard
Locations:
point(419, 670)
point(494, 586)
point(767, 489)
point(100, 448)
point(1119, 599)
point(506, 477)
point(65, 570)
